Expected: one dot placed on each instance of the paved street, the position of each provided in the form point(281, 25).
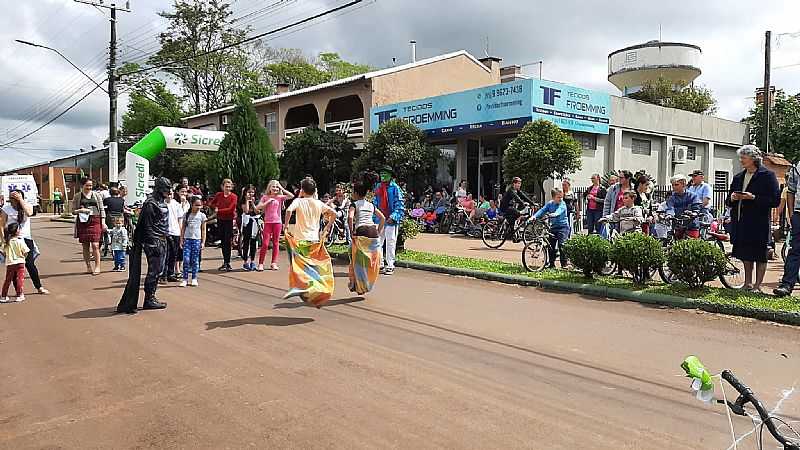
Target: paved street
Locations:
point(425, 361)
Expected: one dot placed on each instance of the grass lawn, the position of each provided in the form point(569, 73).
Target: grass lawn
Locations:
point(708, 294)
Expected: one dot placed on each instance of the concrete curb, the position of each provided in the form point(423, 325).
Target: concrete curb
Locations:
point(61, 219)
point(784, 317)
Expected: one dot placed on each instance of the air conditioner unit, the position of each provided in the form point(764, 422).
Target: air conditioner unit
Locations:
point(224, 120)
point(680, 154)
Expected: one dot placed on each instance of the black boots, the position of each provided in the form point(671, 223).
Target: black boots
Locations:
point(152, 302)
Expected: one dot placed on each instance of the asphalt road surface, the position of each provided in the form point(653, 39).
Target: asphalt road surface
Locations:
point(425, 361)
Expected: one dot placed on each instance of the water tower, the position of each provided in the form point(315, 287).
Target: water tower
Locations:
point(631, 67)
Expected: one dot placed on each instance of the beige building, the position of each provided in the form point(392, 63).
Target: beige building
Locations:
point(344, 105)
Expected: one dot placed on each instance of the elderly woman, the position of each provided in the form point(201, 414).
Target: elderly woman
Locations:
point(753, 193)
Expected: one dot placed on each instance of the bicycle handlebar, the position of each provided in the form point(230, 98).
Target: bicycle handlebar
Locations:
point(746, 396)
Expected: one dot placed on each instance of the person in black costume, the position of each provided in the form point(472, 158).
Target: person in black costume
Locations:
point(149, 237)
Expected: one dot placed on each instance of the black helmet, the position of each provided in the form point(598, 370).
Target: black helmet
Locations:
point(162, 185)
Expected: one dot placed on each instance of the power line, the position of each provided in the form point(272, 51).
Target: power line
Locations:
point(51, 120)
point(250, 39)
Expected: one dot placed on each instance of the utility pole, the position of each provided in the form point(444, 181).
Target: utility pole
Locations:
point(113, 157)
point(767, 94)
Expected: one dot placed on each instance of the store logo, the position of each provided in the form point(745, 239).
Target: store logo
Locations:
point(549, 95)
point(180, 138)
point(384, 116)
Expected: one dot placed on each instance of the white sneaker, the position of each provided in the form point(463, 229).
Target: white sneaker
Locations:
point(388, 271)
point(5, 300)
point(194, 282)
point(183, 283)
point(21, 298)
point(43, 291)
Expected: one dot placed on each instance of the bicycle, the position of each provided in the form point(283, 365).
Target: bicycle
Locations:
point(702, 384)
point(495, 232)
point(338, 231)
point(732, 276)
point(613, 234)
point(536, 253)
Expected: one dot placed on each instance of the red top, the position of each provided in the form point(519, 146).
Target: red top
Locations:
point(226, 206)
point(593, 202)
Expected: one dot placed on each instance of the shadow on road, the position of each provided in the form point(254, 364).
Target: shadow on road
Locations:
point(341, 301)
point(94, 313)
point(269, 321)
point(69, 274)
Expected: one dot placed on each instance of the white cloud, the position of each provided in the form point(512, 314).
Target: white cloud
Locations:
point(572, 37)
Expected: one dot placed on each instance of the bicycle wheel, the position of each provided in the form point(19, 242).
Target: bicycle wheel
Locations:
point(532, 231)
point(494, 233)
point(446, 223)
point(663, 271)
point(785, 249)
point(732, 276)
point(331, 238)
point(535, 256)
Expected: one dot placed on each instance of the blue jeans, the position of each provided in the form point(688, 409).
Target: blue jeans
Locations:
point(792, 265)
point(559, 236)
point(119, 259)
point(191, 258)
point(592, 216)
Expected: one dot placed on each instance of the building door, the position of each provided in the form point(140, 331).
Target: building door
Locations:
point(490, 176)
point(473, 159)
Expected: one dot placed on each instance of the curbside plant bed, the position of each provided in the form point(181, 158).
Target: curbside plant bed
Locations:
point(710, 299)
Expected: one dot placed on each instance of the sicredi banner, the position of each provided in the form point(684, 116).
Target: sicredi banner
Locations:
point(24, 183)
point(505, 105)
point(137, 160)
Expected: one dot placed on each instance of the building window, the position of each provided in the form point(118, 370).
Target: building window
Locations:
point(720, 180)
point(587, 141)
point(640, 147)
point(271, 123)
point(691, 153)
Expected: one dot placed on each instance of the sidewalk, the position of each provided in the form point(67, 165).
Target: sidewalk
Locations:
point(457, 245)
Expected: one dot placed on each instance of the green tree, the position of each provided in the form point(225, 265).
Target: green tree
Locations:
point(336, 68)
point(151, 105)
point(680, 95)
point(245, 154)
point(784, 126)
point(402, 146)
point(196, 27)
point(297, 74)
point(541, 151)
point(326, 156)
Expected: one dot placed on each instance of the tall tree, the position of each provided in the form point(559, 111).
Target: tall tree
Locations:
point(784, 125)
point(246, 155)
point(326, 156)
point(336, 68)
point(402, 146)
point(300, 72)
point(150, 105)
point(195, 27)
point(663, 92)
point(541, 151)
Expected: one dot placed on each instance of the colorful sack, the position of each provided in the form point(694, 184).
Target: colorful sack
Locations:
point(310, 271)
point(365, 263)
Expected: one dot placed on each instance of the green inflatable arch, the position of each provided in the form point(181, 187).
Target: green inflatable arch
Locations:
point(137, 160)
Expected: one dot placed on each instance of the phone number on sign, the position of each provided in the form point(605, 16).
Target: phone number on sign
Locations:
point(503, 91)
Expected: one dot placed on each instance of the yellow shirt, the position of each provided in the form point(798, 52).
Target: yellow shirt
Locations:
point(15, 251)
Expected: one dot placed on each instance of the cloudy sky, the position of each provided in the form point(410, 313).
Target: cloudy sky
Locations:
point(572, 37)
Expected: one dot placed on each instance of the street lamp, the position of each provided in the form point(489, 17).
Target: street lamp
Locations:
point(64, 58)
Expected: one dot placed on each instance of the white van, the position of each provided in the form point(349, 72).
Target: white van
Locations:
point(24, 183)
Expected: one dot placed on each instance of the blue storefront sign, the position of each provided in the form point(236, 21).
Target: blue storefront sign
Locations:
point(571, 108)
point(503, 106)
point(506, 105)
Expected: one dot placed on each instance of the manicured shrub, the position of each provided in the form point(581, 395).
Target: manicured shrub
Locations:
point(409, 229)
point(637, 254)
point(695, 262)
point(589, 253)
